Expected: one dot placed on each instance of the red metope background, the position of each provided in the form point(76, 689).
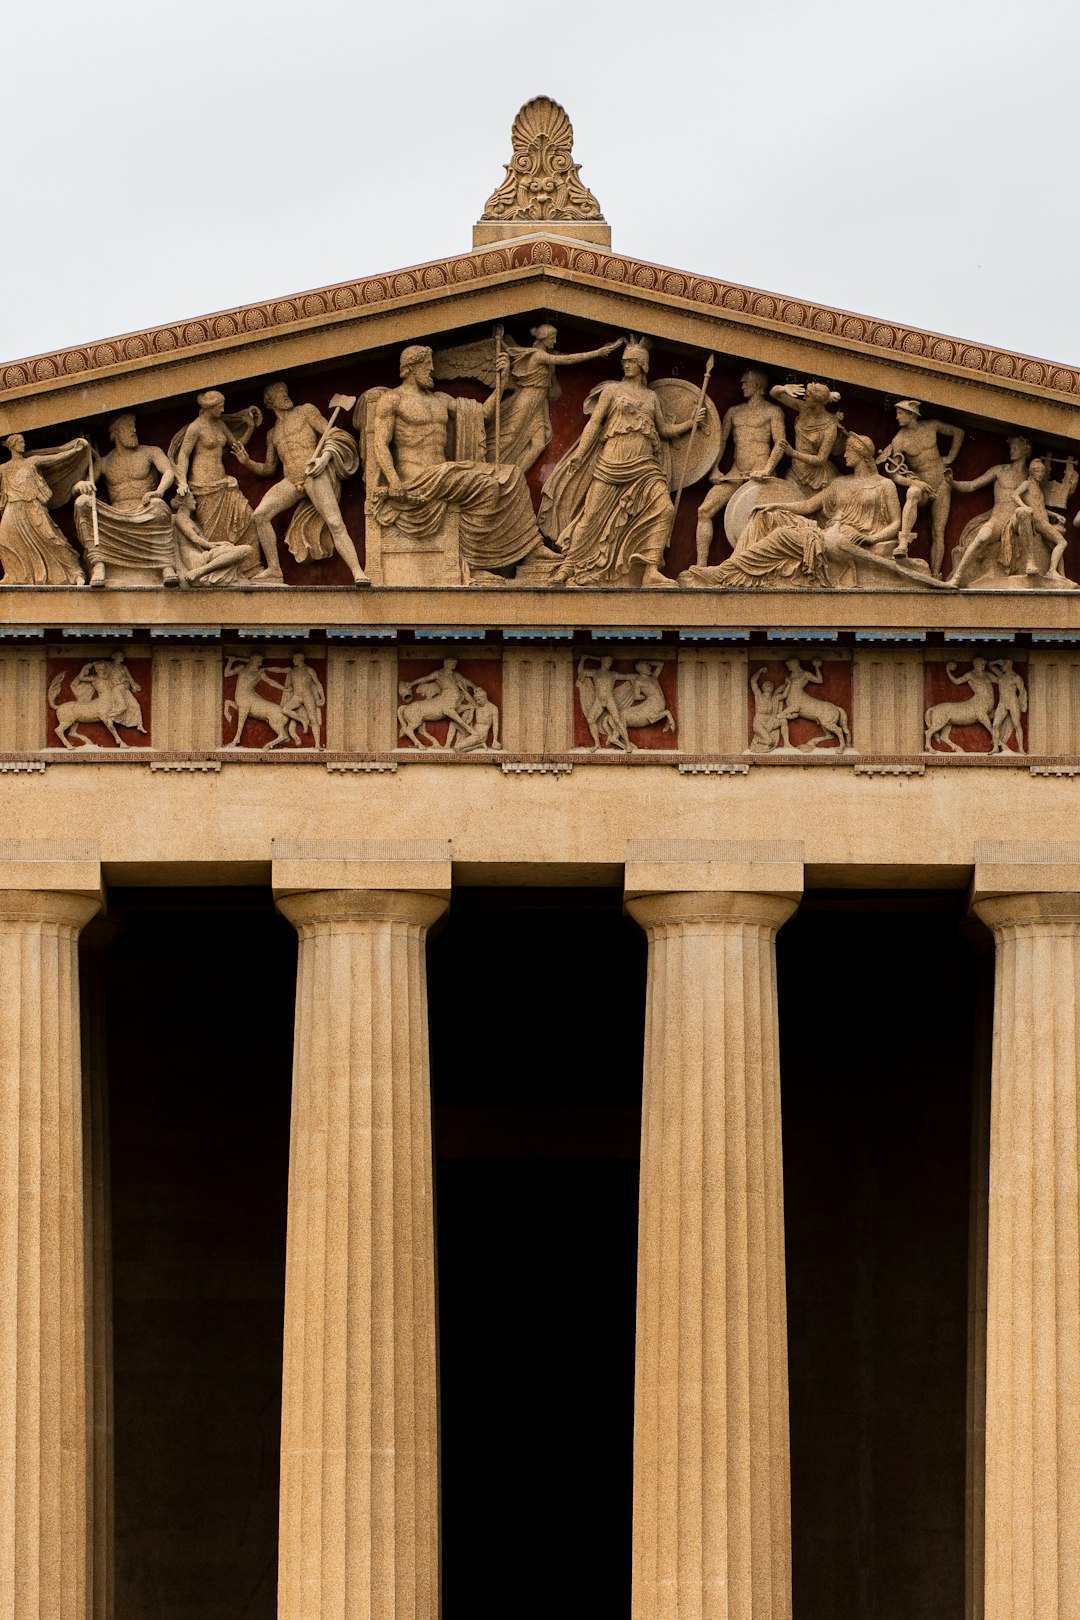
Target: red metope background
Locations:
point(981, 450)
point(486, 673)
point(937, 688)
point(257, 733)
point(651, 738)
point(140, 670)
point(835, 688)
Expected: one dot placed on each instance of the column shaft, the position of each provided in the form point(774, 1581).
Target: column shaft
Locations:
point(97, 1225)
point(1032, 1524)
point(43, 1411)
point(359, 1493)
point(711, 1453)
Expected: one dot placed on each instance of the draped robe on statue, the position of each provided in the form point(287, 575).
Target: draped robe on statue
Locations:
point(780, 547)
point(611, 509)
point(32, 549)
point(307, 536)
point(497, 527)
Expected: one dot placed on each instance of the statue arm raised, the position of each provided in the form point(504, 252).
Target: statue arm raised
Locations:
point(957, 680)
point(587, 354)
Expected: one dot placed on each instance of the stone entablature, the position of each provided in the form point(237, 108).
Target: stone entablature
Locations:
point(577, 697)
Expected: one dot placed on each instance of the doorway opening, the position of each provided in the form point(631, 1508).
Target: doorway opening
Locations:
point(199, 989)
point(537, 1005)
point(880, 1005)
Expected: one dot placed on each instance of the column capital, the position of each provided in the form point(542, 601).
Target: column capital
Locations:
point(315, 907)
point(50, 880)
point(413, 865)
point(1026, 881)
point(705, 905)
point(751, 867)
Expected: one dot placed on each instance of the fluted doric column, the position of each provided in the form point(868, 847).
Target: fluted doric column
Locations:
point(44, 1547)
point(1032, 1522)
point(359, 1490)
point(97, 1247)
point(711, 1533)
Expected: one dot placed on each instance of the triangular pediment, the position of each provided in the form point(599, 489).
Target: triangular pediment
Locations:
point(345, 343)
point(532, 274)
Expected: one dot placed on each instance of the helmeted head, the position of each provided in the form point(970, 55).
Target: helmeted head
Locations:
point(211, 402)
point(635, 357)
point(276, 396)
point(753, 383)
point(122, 431)
point(416, 362)
point(907, 411)
point(545, 336)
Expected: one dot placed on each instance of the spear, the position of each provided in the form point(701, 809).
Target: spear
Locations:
point(690, 436)
point(498, 398)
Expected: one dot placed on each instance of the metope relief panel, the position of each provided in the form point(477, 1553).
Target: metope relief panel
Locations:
point(273, 699)
point(800, 703)
point(974, 705)
point(626, 702)
point(98, 700)
point(450, 703)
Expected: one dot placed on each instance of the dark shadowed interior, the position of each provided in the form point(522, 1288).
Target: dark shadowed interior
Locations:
point(537, 1015)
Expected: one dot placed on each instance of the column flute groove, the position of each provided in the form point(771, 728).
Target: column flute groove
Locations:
point(44, 1440)
point(1032, 1526)
point(359, 1508)
point(711, 1463)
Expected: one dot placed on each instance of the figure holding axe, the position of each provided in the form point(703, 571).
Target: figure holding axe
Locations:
point(313, 458)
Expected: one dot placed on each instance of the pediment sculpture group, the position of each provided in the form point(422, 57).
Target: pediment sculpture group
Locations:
point(803, 501)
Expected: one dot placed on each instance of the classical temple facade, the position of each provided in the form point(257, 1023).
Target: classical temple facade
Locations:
point(540, 926)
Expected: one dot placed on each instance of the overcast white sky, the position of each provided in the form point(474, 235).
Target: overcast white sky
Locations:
point(915, 162)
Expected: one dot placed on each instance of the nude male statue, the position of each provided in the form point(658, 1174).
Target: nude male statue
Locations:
point(998, 526)
point(1008, 724)
point(758, 430)
point(136, 525)
point(913, 459)
point(291, 444)
point(416, 479)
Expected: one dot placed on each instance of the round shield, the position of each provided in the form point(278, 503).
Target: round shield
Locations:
point(679, 399)
point(756, 492)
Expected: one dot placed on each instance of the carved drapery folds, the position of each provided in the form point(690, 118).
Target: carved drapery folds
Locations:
point(666, 475)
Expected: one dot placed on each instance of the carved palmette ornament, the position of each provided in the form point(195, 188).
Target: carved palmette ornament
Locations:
point(542, 179)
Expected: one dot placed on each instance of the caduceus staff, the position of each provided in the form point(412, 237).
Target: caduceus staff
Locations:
point(690, 436)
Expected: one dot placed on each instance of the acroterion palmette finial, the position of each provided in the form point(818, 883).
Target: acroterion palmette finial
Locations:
point(543, 189)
